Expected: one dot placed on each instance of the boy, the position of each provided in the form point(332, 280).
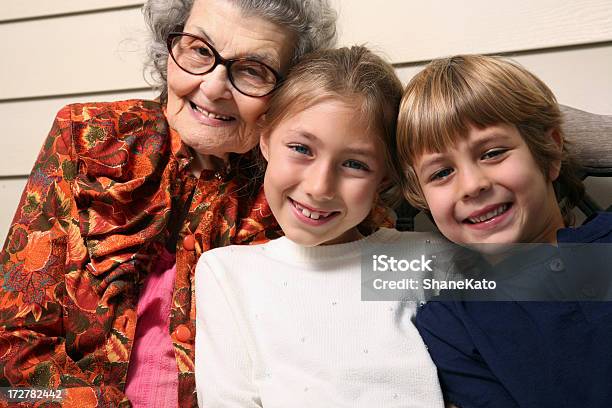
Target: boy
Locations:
point(481, 147)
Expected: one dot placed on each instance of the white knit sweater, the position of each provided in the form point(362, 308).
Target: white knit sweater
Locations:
point(282, 326)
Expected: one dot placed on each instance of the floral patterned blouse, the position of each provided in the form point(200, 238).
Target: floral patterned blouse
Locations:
point(111, 188)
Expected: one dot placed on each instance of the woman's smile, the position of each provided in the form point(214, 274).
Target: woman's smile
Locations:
point(210, 117)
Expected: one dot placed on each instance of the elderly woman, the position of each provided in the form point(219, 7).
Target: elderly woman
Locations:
point(96, 293)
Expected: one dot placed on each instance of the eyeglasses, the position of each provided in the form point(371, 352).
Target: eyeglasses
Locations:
point(196, 56)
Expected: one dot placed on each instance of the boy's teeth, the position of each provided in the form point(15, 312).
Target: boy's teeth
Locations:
point(494, 213)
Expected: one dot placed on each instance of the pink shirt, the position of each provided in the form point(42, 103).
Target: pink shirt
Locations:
point(152, 379)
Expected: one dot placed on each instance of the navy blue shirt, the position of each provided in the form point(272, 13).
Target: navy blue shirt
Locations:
point(524, 354)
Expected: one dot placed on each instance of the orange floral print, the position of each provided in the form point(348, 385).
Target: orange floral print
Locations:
point(102, 200)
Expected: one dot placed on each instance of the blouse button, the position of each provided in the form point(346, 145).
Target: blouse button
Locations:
point(182, 333)
point(589, 291)
point(189, 243)
point(556, 265)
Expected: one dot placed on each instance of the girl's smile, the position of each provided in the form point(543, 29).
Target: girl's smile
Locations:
point(311, 215)
point(324, 171)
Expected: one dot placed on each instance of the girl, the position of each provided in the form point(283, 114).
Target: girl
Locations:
point(282, 324)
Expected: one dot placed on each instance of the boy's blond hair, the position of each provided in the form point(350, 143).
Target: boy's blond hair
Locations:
point(450, 94)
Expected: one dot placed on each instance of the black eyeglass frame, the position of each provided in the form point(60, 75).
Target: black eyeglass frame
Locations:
point(219, 60)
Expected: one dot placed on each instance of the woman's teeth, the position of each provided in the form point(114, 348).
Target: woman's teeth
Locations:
point(499, 210)
point(210, 114)
point(315, 215)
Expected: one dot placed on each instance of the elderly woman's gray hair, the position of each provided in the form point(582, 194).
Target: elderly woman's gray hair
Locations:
point(312, 22)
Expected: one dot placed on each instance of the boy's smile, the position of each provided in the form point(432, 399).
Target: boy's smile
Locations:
point(489, 189)
point(489, 217)
point(324, 170)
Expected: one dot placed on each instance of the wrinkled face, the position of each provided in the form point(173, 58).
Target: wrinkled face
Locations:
point(324, 170)
point(210, 115)
point(489, 189)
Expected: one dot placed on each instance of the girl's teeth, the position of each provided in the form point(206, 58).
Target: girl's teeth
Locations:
point(311, 214)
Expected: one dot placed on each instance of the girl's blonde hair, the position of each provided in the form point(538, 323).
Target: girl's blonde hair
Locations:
point(450, 94)
point(355, 76)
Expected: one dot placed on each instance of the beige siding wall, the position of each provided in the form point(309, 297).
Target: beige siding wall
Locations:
point(93, 50)
point(23, 10)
